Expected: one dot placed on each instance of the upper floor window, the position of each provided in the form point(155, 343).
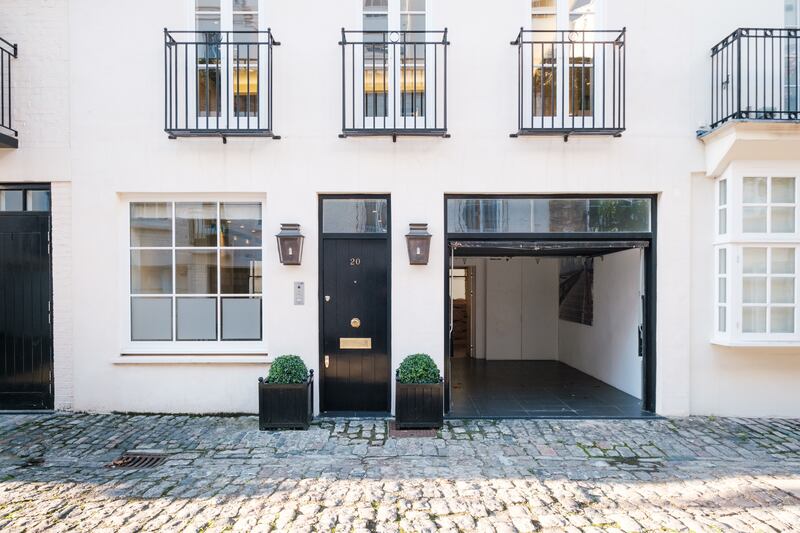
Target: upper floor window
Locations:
point(792, 13)
point(228, 30)
point(768, 205)
point(380, 18)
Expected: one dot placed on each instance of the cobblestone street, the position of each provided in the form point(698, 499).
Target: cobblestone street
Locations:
point(223, 474)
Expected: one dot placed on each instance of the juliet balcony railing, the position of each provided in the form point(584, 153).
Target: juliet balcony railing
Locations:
point(570, 82)
point(754, 76)
point(394, 83)
point(9, 137)
point(218, 84)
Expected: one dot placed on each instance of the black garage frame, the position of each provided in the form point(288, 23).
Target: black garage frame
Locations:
point(650, 258)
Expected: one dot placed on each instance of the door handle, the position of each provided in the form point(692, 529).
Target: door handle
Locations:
point(327, 361)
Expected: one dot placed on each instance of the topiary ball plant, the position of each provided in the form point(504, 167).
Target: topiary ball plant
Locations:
point(418, 368)
point(287, 369)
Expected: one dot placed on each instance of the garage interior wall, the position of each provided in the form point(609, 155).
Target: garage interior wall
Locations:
point(516, 316)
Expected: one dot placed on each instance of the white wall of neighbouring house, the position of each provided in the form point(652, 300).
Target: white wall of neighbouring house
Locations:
point(609, 348)
point(94, 115)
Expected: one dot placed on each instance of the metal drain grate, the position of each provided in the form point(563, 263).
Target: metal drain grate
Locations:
point(138, 460)
point(409, 433)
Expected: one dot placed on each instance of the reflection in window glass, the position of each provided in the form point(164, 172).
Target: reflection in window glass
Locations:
point(37, 201)
point(151, 224)
point(240, 224)
point(196, 271)
point(241, 271)
point(349, 215)
point(544, 215)
point(10, 200)
point(151, 271)
point(195, 224)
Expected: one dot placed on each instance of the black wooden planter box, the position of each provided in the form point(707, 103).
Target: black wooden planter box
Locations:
point(285, 406)
point(419, 406)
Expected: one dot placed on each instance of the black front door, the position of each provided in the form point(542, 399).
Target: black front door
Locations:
point(355, 324)
point(26, 346)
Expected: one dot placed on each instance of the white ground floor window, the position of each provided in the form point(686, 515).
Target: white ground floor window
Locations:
point(756, 292)
point(194, 273)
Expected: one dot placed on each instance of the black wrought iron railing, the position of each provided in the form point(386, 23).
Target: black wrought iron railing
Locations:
point(394, 83)
point(9, 137)
point(570, 82)
point(754, 76)
point(218, 83)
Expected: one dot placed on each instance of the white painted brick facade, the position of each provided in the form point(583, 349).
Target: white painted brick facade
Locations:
point(63, 303)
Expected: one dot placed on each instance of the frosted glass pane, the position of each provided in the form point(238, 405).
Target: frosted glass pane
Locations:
point(781, 320)
point(723, 192)
point(196, 272)
point(723, 261)
point(151, 271)
point(755, 190)
point(754, 320)
point(241, 319)
point(722, 286)
point(783, 191)
point(782, 261)
point(754, 219)
point(722, 319)
point(754, 290)
point(723, 221)
point(197, 319)
point(783, 220)
point(755, 260)
point(782, 291)
point(151, 319)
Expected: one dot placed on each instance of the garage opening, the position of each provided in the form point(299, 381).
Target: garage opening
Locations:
point(550, 327)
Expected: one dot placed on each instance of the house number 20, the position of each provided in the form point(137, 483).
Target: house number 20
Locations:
point(355, 261)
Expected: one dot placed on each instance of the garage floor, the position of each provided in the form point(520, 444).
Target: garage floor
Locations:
point(547, 389)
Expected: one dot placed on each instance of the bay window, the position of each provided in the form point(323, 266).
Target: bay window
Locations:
point(756, 259)
point(195, 271)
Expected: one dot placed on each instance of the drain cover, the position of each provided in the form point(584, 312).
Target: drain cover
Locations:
point(409, 433)
point(138, 460)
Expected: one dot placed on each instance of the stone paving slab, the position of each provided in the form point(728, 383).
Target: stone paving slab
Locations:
point(222, 474)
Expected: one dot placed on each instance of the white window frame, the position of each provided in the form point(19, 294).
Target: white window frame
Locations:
point(562, 107)
point(176, 347)
point(394, 14)
point(735, 240)
point(226, 24)
point(768, 276)
point(768, 205)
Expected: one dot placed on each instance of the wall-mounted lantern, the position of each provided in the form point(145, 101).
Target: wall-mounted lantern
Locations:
point(419, 244)
point(290, 244)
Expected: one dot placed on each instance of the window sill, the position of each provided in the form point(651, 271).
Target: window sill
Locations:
point(756, 344)
point(191, 359)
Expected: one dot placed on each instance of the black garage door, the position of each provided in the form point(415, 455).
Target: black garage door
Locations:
point(26, 340)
